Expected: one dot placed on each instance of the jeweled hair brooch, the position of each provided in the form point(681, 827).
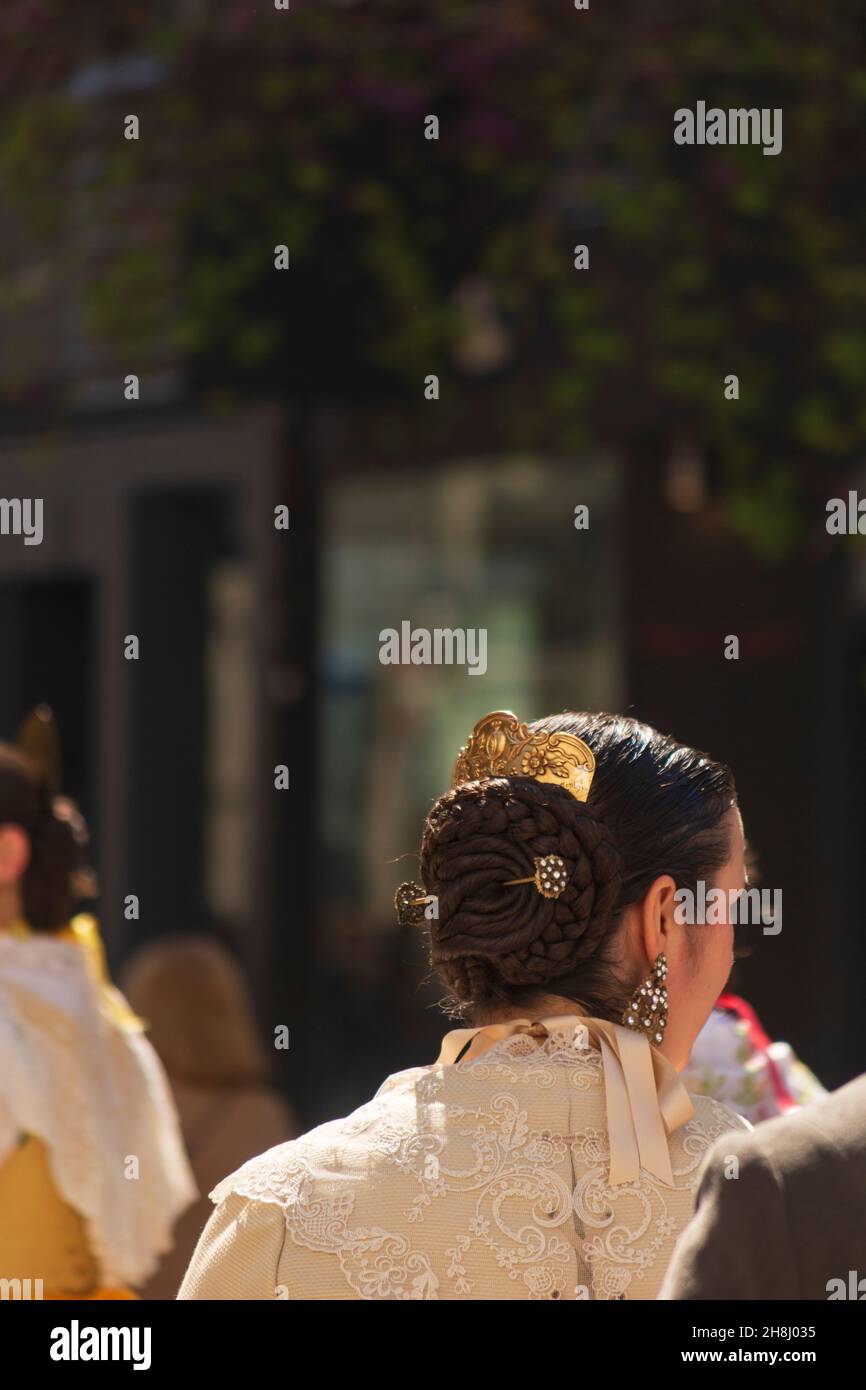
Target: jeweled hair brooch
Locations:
point(550, 879)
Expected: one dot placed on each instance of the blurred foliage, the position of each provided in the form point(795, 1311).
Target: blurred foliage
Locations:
point(306, 127)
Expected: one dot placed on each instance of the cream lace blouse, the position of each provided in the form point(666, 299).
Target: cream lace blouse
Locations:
point(487, 1175)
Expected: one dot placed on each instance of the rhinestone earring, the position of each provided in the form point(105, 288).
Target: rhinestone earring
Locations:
point(648, 1011)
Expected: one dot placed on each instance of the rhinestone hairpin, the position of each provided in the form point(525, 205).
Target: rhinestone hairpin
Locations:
point(550, 877)
point(410, 901)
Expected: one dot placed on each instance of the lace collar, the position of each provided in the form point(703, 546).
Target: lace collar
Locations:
point(645, 1098)
point(82, 931)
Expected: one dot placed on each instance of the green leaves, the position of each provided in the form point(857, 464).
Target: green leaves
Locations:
point(554, 132)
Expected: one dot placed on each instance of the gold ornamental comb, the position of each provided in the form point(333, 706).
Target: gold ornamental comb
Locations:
point(39, 737)
point(500, 746)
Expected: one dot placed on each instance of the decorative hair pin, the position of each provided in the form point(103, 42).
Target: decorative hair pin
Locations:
point(500, 746)
point(550, 878)
point(410, 901)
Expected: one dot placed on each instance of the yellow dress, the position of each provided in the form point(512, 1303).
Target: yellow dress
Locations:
point(550, 1160)
point(42, 1238)
point(81, 1093)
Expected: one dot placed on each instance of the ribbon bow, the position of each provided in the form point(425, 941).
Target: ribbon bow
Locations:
point(645, 1098)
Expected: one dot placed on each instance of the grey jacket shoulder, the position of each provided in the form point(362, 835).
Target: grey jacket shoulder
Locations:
point(781, 1210)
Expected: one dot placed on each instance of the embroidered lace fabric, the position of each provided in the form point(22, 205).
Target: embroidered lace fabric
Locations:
point(487, 1179)
point(96, 1096)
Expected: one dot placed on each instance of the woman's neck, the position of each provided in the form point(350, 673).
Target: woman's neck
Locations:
point(541, 1006)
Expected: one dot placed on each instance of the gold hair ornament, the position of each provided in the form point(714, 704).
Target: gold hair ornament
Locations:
point(500, 746)
point(410, 902)
point(550, 876)
point(38, 737)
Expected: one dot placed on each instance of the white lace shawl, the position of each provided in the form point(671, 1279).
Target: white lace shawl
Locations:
point(97, 1097)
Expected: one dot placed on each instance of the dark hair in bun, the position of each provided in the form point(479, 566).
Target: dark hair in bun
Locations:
point(57, 835)
point(655, 807)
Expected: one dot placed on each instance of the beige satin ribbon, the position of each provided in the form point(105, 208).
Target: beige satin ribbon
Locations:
point(646, 1100)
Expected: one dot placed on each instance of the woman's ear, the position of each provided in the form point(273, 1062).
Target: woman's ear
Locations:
point(14, 854)
point(657, 915)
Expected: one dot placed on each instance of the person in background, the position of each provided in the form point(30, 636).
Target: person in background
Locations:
point(200, 1020)
point(93, 1172)
point(734, 1061)
point(781, 1211)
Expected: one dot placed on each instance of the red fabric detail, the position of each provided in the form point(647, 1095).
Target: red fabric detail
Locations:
point(760, 1040)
